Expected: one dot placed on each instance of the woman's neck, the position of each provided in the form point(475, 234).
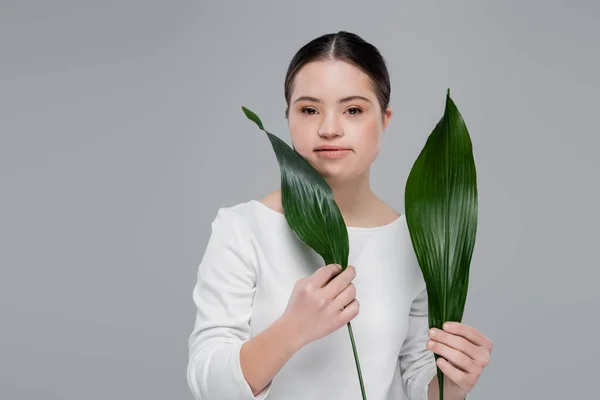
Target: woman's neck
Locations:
point(360, 207)
point(354, 198)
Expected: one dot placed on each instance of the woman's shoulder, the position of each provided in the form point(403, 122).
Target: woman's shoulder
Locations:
point(246, 215)
point(384, 214)
point(273, 201)
point(234, 213)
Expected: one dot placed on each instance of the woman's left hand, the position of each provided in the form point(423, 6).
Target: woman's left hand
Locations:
point(465, 351)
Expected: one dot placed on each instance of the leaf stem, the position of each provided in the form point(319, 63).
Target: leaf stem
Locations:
point(362, 385)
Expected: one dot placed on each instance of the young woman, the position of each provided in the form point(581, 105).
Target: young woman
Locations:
point(271, 320)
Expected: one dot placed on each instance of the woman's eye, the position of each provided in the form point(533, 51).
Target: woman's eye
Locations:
point(354, 111)
point(308, 111)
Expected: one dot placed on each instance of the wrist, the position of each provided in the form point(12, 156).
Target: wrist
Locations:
point(287, 328)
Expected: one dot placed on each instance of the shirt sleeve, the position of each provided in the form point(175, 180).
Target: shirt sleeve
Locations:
point(417, 363)
point(223, 296)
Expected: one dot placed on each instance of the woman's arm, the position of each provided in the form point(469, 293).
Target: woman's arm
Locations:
point(264, 355)
point(417, 362)
point(223, 295)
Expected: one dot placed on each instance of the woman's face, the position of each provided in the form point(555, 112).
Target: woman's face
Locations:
point(333, 103)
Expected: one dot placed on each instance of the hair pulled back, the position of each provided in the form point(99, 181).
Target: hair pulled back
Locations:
point(348, 47)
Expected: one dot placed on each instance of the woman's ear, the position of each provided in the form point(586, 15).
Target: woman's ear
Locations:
point(387, 115)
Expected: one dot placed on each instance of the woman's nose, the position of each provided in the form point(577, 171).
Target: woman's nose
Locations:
point(331, 126)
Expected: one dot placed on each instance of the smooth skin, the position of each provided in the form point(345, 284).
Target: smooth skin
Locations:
point(333, 103)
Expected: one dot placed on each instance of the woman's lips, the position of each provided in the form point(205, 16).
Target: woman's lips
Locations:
point(332, 153)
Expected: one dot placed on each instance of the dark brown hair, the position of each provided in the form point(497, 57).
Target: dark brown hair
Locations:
point(348, 47)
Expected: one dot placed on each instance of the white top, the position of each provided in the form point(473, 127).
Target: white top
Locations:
point(245, 279)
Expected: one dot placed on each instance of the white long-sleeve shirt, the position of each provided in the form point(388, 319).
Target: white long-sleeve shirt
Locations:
point(245, 279)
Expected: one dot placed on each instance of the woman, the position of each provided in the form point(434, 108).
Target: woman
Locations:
point(268, 324)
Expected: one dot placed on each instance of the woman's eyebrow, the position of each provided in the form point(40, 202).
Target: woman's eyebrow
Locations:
point(343, 100)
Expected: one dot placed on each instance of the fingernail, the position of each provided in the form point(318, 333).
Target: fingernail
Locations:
point(446, 325)
point(432, 332)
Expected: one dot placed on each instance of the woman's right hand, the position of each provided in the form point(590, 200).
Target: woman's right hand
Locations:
point(322, 303)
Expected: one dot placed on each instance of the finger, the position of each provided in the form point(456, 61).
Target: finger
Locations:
point(323, 275)
point(344, 298)
point(457, 376)
point(469, 333)
point(459, 359)
point(350, 311)
point(456, 342)
point(339, 283)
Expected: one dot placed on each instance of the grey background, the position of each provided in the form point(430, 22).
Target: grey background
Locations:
point(122, 134)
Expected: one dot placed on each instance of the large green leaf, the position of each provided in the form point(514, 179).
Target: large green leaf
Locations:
point(441, 214)
point(308, 203)
point(311, 211)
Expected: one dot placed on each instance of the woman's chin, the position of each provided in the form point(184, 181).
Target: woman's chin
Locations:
point(331, 172)
point(335, 176)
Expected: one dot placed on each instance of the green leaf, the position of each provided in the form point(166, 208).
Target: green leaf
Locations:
point(253, 117)
point(310, 210)
point(441, 214)
point(308, 203)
